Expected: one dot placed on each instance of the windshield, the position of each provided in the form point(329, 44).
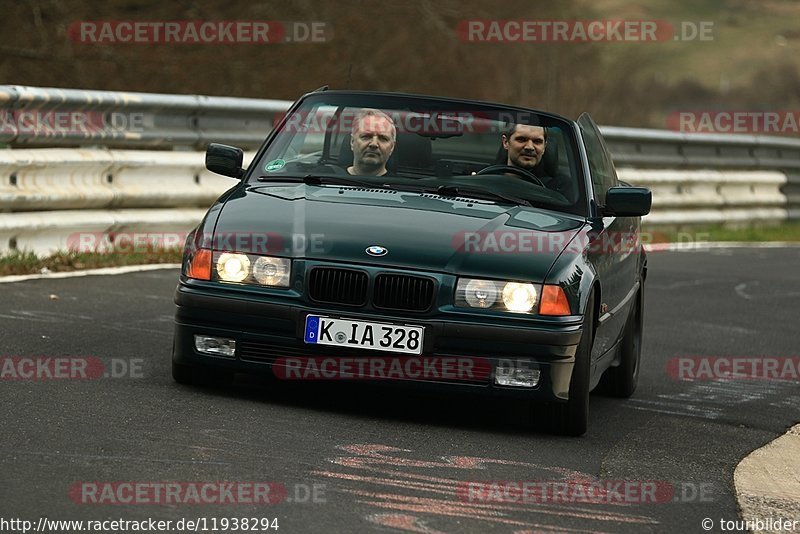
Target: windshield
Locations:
point(485, 152)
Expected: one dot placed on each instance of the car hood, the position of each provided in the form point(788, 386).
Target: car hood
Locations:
point(423, 232)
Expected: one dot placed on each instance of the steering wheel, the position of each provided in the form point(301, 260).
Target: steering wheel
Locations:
point(524, 174)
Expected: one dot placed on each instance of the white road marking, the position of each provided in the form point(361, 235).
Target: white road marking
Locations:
point(91, 272)
point(740, 289)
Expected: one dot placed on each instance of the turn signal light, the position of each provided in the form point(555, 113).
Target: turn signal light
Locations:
point(200, 265)
point(554, 301)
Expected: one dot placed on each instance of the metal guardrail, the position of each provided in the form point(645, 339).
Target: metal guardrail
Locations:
point(657, 149)
point(128, 119)
point(48, 196)
point(47, 117)
point(638, 147)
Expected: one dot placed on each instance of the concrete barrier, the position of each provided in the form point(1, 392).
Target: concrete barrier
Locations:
point(60, 179)
point(45, 232)
point(711, 196)
point(57, 179)
point(100, 185)
point(50, 195)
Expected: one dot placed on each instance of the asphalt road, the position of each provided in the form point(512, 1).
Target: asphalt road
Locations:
point(385, 461)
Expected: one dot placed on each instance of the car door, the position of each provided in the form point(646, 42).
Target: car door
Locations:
point(610, 248)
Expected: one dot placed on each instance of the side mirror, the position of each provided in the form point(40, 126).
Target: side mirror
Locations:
point(225, 160)
point(628, 201)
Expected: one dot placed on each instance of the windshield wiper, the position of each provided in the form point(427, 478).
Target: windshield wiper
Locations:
point(313, 179)
point(443, 190)
point(474, 192)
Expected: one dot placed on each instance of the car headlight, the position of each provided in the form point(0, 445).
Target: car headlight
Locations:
point(271, 271)
point(494, 294)
point(480, 293)
point(252, 269)
point(519, 297)
point(232, 267)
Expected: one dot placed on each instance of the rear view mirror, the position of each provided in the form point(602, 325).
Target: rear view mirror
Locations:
point(628, 201)
point(225, 160)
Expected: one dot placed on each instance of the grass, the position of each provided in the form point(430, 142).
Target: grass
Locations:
point(17, 263)
point(787, 231)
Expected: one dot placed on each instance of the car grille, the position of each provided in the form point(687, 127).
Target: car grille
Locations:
point(338, 286)
point(350, 287)
point(402, 292)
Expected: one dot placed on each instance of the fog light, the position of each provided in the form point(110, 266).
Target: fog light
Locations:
point(516, 373)
point(215, 346)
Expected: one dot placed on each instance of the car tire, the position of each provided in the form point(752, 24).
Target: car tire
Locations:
point(572, 417)
point(182, 374)
point(212, 376)
point(201, 375)
point(621, 381)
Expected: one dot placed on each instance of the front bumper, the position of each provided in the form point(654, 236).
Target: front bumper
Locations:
point(267, 333)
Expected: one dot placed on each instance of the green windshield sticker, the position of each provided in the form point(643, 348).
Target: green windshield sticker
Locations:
point(275, 165)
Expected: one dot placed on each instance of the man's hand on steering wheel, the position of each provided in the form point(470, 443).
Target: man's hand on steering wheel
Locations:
point(519, 172)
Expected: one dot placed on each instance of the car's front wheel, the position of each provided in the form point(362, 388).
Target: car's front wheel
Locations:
point(206, 376)
point(621, 381)
point(182, 374)
point(572, 418)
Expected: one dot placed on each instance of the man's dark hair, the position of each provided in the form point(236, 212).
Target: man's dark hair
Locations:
point(508, 131)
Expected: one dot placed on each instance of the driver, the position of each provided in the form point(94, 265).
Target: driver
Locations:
point(372, 140)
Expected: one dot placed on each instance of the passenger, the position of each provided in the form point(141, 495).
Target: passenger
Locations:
point(526, 146)
point(372, 140)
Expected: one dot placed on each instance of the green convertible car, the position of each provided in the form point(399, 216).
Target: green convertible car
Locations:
point(414, 240)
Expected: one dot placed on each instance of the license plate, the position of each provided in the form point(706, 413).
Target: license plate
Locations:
point(363, 334)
